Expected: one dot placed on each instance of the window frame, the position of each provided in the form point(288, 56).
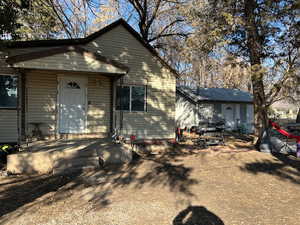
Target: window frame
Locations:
point(130, 97)
point(17, 96)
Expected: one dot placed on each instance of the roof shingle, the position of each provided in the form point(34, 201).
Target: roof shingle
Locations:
point(216, 94)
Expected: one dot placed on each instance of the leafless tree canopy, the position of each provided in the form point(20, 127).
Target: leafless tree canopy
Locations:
point(251, 45)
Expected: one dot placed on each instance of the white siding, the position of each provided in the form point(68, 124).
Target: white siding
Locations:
point(189, 114)
point(250, 118)
point(186, 113)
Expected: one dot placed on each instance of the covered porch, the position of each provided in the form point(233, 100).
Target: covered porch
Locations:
point(63, 156)
point(65, 110)
point(65, 92)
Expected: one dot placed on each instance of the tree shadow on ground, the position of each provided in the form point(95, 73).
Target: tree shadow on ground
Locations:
point(239, 136)
point(165, 171)
point(22, 193)
point(197, 215)
point(97, 187)
point(285, 167)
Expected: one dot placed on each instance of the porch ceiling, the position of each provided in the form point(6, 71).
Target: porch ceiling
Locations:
point(71, 58)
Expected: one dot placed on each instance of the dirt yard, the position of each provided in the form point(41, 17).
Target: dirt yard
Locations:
point(222, 185)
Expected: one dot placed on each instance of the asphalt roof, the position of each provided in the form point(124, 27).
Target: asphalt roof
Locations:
point(78, 41)
point(215, 94)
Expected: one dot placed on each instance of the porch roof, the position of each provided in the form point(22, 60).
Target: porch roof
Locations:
point(70, 58)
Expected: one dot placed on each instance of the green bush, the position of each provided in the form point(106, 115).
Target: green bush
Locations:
point(5, 150)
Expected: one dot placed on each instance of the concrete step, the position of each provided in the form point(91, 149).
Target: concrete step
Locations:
point(74, 169)
point(65, 163)
point(46, 162)
point(30, 163)
point(70, 154)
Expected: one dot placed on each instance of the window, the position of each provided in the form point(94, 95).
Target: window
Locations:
point(131, 98)
point(137, 98)
point(73, 85)
point(123, 98)
point(8, 91)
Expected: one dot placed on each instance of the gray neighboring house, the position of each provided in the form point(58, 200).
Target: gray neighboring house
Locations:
point(197, 105)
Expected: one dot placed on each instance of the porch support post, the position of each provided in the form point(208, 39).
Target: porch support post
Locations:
point(20, 105)
point(23, 104)
point(112, 104)
point(113, 116)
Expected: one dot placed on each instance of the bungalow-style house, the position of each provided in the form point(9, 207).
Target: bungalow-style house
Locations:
point(86, 87)
point(197, 105)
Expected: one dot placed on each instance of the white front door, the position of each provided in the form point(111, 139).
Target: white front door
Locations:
point(72, 105)
point(228, 113)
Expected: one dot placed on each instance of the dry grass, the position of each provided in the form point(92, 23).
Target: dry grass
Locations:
point(230, 184)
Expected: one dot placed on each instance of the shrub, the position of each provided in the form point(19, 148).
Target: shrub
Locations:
point(5, 150)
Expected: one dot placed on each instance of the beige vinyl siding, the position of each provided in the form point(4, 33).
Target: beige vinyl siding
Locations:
point(70, 61)
point(8, 126)
point(99, 109)
point(8, 118)
point(145, 69)
point(41, 98)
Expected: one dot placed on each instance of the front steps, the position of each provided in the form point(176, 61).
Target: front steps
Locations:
point(63, 166)
point(70, 160)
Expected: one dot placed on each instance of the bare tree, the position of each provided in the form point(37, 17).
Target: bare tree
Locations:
point(76, 16)
point(156, 19)
point(249, 30)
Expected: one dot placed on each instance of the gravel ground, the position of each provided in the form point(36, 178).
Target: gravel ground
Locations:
point(222, 185)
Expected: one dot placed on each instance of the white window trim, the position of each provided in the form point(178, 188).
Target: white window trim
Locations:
point(130, 97)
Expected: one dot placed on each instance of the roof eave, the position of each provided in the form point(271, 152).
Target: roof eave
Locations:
point(82, 41)
point(45, 53)
point(224, 101)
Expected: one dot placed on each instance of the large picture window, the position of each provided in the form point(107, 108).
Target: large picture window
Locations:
point(131, 98)
point(8, 91)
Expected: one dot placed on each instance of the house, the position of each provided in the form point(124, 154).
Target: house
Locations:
point(197, 105)
point(86, 87)
point(284, 111)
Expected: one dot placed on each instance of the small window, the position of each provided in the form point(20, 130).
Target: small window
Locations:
point(73, 85)
point(8, 91)
point(131, 98)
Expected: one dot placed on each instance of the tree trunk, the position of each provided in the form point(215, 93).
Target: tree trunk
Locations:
point(257, 73)
point(260, 110)
point(298, 116)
